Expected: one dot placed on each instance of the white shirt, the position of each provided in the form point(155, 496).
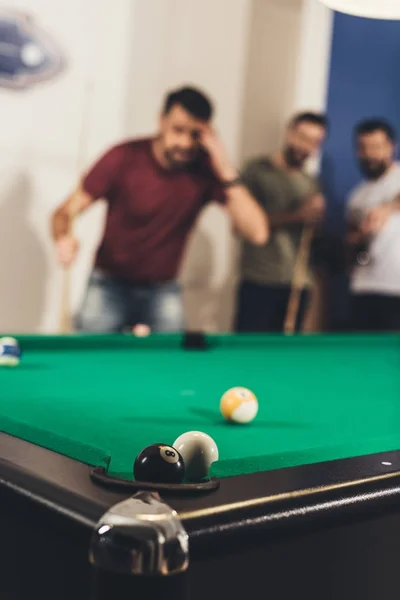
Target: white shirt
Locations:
point(382, 275)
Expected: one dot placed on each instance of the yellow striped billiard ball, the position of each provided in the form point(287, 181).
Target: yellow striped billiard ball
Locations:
point(239, 405)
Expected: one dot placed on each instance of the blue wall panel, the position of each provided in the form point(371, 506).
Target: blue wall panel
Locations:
point(364, 82)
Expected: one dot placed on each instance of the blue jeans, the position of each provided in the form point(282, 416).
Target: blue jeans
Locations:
point(112, 304)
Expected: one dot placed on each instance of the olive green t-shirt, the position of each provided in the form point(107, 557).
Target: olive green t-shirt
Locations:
point(278, 191)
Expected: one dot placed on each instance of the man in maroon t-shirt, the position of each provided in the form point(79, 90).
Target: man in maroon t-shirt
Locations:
point(155, 189)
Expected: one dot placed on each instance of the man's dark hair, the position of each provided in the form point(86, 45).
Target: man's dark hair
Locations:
point(373, 125)
point(193, 101)
point(310, 117)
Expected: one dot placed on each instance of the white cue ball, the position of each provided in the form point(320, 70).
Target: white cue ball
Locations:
point(141, 330)
point(198, 451)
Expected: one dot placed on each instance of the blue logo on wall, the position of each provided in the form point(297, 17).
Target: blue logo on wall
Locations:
point(28, 55)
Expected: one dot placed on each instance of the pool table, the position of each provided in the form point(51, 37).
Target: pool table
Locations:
point(304, 501)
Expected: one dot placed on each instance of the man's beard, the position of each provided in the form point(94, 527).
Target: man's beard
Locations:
point(373, 170)
point(178, 163)
point(294, 159)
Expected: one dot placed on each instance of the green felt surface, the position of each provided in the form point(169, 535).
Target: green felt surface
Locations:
point(93, 397)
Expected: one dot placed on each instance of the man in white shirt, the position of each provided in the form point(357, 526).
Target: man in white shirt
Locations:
point(373, 215)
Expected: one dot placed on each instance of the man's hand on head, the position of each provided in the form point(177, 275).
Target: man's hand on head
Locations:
point(248, 217)
point(220, 162)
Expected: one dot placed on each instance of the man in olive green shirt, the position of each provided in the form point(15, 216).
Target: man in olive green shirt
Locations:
point(292, 199)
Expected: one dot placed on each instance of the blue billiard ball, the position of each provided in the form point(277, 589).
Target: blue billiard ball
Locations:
point(10, 352)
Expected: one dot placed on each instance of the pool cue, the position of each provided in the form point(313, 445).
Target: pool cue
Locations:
point(65, 314)
point(299, 273)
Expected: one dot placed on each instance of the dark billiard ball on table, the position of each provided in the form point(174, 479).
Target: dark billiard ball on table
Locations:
point(159, 463)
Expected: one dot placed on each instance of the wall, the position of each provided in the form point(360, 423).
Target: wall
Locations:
point(286, 69)
point(313, 56)
point(270, 78)
point(39, 149)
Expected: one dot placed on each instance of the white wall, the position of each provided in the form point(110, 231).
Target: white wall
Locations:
point(187, 41)
point(313, 59)
point(287, 68)
point(39, 149)
point(270, 78)
point(122, 59)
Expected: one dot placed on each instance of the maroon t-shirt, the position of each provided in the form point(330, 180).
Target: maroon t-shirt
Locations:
point(151, 210)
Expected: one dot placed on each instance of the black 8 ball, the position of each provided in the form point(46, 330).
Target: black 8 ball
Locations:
point(159, 463)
